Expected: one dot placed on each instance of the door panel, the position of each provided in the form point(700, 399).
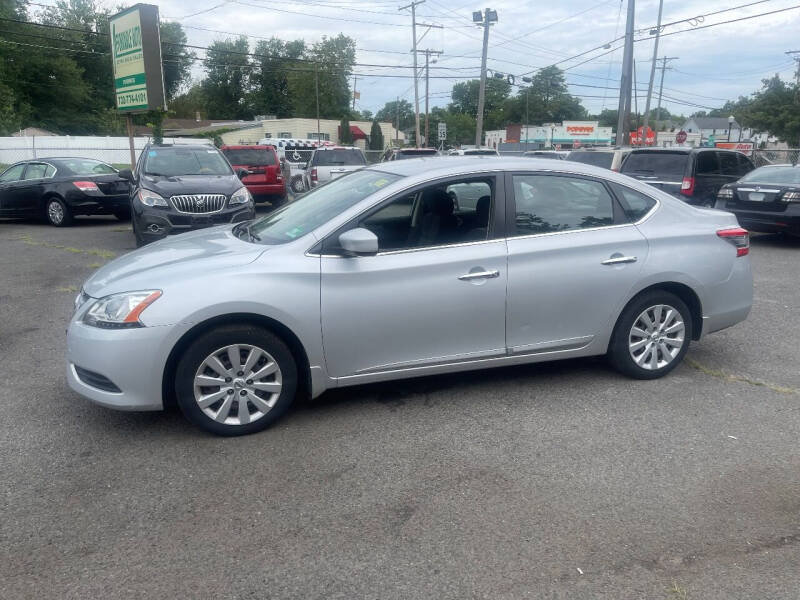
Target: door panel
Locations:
point(410, 308)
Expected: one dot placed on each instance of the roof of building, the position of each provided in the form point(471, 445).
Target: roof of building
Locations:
point(712, 122)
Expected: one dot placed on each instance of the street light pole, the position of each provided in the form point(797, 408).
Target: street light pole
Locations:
point(624, 106)
point(653, 67)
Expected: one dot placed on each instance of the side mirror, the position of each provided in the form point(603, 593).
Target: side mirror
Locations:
point(359, 241)
point(126, 174)
point(242, 173)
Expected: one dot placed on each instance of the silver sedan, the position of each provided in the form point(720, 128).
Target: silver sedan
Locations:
point(379, 275)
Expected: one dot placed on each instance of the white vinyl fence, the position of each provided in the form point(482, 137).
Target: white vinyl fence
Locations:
point(107, 149)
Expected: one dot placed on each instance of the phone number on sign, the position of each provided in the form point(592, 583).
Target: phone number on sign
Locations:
point(132, 98)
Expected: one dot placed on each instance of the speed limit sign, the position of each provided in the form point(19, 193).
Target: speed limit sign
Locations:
point(442, 131)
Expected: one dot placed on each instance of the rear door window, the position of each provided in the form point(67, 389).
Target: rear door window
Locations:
point(707, 164)
point(598, 159)
point(250, 157)
point(35, 171)
point(338, 157)
point(745, 166)
point(729, 164)
point(669, 166)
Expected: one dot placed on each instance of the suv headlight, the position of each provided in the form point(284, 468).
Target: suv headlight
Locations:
point(150, 198)
point(240, 196)
point(725, 194)
point(120, 311)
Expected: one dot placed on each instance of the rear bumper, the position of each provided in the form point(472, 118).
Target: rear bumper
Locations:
point(766, 221)
point(729, 302)
point(266, 189)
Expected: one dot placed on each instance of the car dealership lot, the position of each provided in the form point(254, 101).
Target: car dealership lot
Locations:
point(561, 480)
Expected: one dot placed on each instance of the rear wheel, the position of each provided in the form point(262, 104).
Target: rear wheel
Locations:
point(652, 335)
point(235, 380)
point(298, 186)
point(57, 212)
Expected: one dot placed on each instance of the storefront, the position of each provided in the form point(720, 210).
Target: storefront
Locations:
point(567, 135)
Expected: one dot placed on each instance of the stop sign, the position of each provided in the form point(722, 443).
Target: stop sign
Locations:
point(681, 137)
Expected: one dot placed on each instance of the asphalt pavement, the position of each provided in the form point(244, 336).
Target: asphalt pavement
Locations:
point(561, 480)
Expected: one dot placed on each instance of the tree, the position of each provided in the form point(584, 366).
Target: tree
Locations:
point(390, 111)
point(275, 62)
point(376, 136)
point(345, 135)
point(176, 59)
point(190, 103)
point(331, 61)
point(774, 108)
point(465, 97)
point(226, 81)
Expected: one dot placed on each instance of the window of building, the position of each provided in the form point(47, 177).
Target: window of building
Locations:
point(322, 136)
point(285, 134)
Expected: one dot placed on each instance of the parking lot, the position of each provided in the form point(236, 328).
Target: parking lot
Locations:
point(562, 480)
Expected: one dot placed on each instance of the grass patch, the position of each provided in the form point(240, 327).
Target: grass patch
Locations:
point(73, 250)
point(101, 253)
point(67, 288)
point(677, 592)
point(105, 254)
point(95, 265)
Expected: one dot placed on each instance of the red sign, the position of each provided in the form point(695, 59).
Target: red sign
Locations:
point(743, 147)
point(580, 130)
point(649, 137)
point(681, 137)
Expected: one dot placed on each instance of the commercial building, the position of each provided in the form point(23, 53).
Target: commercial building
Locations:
point(566, 135)
point(307, 129)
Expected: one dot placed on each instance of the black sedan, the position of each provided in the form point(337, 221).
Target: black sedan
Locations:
point(60, 188)
point(766, 200)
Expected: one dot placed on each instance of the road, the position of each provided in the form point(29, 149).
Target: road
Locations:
point(562, 480)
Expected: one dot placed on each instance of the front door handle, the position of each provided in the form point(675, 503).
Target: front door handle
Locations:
point(480, 275)
point(618, 260)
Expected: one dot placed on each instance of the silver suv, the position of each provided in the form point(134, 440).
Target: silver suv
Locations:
point(330, 162)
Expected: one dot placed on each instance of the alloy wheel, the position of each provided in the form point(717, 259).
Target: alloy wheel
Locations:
point(237, 384)
point(656, 337)
point(56, 212)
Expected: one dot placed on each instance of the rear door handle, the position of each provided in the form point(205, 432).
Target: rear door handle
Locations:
point(480, 275)
point(618, 260)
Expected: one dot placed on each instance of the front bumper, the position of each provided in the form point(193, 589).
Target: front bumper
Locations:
point(155, 224)
point(131, 359)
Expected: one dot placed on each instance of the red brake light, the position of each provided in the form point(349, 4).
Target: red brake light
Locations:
point(687, 186)
point(313, 175)
point(86, 186)
point(738, 237)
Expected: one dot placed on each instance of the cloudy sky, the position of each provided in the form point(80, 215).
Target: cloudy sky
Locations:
point(713, 63)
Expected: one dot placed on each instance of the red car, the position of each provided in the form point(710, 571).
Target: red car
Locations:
point(265, 181)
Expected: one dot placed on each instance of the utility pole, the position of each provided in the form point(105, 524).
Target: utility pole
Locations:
point(397, 128)
point(316, 92)
point(355, 81)
point(626, 80)
point(428, 53)
point(795, 54)
point(653, 66)
point(663, 68)
point(485, 19)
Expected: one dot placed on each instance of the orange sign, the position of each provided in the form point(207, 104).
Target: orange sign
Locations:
point(580, 130)
point(744, 147)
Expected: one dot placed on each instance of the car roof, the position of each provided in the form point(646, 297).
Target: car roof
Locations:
point(247, 147)
point(338, 148)
point(184, 146)
point(442, 166)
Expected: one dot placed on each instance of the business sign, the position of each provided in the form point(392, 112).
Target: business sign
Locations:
point(136, 56)
point(744, 147)
point(442, 131)
point(642, 137)
point(580, 130)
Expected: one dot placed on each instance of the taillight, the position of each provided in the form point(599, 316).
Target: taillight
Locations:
point(86, 186)
point(687, 186)
point(738, 237)
point(314, 175)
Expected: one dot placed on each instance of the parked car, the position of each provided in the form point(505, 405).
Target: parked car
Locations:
point(59, 189)
point(264, 180)
point(294, 155)
point(766, 199)
point(330, 162)
point(692, 174)
point(375, 276)
point(180, 188)
point(404, 153)
point(554, 154)
point(477, 152)
point(608, 158)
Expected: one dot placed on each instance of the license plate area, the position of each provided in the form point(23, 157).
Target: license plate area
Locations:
point(756, 196)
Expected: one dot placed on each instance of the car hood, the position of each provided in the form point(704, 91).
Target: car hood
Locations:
point(173, 259)
point(192, 184)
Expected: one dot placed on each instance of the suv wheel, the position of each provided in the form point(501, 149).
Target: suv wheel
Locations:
point(298, 185)
point(652, 336)
point(235, 380)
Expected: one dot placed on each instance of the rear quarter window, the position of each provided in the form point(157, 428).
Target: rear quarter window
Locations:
point(250, 157)
point(635, 204)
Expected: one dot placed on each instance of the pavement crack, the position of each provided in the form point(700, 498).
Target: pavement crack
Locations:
point(734, 378)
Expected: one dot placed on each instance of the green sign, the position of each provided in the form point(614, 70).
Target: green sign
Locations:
point(136, 55)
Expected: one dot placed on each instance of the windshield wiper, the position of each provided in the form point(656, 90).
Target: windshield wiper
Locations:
point(245, 226)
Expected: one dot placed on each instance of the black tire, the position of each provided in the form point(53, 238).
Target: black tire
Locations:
point(57, 212)
point(123, 214)
point(298, 185)
point(140, 241)
point(216, 340)
point(619, 353)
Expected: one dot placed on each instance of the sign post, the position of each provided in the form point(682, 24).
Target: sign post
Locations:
point(442, 133)
point(136, 57)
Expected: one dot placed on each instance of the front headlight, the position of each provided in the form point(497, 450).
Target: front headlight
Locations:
point(150, 198)
point(240, 196)
point(120, 311)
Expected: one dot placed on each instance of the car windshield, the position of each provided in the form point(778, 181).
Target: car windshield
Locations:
point(775, 175)
point(662, 165)
point(480, 152)
point(86, 166)
point(543, 155)
point(319, 206)
point(249, 157)
point(415, 153)
point(338, 157)
point(598, 159)
point(173, 161)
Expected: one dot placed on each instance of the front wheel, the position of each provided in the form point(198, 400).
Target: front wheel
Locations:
point(58, 213)
point(298, 185)
point(235, 380)
point(652, 336)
